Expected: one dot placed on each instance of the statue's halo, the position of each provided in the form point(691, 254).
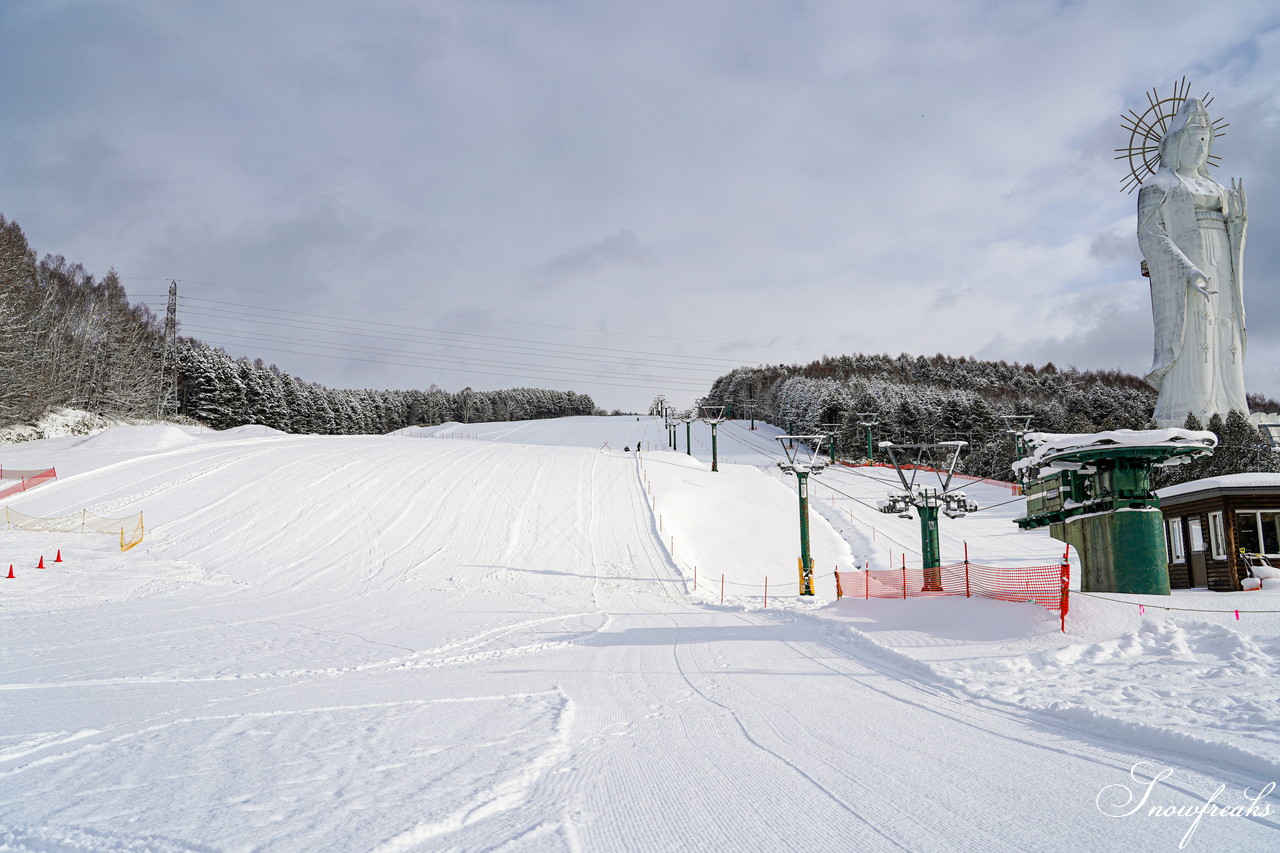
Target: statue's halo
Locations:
point(1148, 128)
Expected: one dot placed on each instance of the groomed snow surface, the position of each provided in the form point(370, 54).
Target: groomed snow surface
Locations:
point(488, 637)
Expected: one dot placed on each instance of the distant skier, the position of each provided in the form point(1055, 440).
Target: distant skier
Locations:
point(626, 449)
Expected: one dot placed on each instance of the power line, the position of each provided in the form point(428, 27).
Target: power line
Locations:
point(522, 376)
point(328, 348)
point(200, 328)
point(400, 309)
point(348, 323)
point(331, 328)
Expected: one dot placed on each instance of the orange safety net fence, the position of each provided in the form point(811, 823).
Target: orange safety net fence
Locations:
point(26, 480)
point(129, 528)
point(1043, 585)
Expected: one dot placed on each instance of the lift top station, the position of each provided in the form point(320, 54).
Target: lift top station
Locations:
point(1093, 491)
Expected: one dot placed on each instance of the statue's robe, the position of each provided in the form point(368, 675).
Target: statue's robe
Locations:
point(1169, 237)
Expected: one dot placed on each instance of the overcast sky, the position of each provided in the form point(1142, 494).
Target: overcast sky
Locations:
point(627, 198)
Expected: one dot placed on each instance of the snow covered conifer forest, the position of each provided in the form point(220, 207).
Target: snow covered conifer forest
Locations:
point(918, 399)
point(67, 339)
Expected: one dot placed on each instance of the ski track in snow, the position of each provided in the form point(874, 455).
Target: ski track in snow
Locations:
point(412, 643)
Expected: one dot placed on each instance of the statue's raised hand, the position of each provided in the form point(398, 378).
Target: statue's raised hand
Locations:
point(1200, 282)
point(1237, 203)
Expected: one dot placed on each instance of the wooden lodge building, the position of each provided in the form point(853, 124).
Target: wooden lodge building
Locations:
point(1207, 523)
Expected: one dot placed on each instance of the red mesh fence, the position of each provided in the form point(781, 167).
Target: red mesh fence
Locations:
point(1043, 585)
point(27, 480)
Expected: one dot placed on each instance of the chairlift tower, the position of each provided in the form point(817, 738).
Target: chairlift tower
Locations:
point(927, 502)
point(832, 431)
point(688, 418)
point(713, 416)
point(803, 466)
point(751, 409)
point(867, 420)
point(1017, 426)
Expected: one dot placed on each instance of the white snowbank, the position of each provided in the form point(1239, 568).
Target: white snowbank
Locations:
point(1225, 481)
point(373, 643)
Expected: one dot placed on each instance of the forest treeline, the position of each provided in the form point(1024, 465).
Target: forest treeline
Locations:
point(924, 399)
point(68, 339)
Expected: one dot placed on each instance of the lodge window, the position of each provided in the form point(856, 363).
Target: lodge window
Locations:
point(1217, 536)
point(1177, 553)
point(1258, 532)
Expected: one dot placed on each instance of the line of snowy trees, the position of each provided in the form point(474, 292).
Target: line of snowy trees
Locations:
point(69, 340)
point(919, 399)
point(223, 392)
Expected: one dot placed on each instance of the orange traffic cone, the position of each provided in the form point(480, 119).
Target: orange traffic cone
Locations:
point(41, 566)
point(58, 559)
point(10, 572)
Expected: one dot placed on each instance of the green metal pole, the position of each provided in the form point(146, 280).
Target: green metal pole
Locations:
point(833, 448)
point(715, 463)
point(930, 551)
point(806, 561)
point(688, 441)
point(870, 449)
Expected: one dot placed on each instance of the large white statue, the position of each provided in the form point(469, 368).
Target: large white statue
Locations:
point(1191, 231)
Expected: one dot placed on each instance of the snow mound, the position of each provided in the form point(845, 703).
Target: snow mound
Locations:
point(1203, 680)
point(141, 439)
point(251, 431)
point(420, 431)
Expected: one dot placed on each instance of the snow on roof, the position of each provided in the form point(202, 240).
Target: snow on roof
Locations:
point(1049, 444)
point(1224, 481)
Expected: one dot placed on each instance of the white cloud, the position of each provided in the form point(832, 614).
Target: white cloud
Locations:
point(824, 175)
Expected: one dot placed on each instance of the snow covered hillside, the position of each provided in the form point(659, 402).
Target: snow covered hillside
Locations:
point(491, 637)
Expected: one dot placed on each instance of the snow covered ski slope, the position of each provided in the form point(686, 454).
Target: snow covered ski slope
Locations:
point(487, 637)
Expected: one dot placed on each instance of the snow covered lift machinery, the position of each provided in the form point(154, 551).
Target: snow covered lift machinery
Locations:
point(1093, 491)
point(927, 502)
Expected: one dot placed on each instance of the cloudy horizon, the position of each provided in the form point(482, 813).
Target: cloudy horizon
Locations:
point(626, 199)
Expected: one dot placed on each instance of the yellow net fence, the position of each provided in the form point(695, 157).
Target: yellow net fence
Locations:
point(130, 527)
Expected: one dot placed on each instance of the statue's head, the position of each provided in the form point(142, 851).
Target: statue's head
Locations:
point(1185, 147)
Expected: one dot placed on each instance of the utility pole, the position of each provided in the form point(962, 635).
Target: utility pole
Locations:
point(713, 416)
point(867, 420)
point(803, 468)
point(168, 351)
